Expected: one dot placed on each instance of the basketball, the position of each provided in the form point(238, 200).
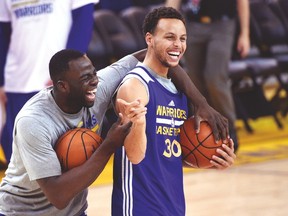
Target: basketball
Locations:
point(76, 146)
point(198, 149)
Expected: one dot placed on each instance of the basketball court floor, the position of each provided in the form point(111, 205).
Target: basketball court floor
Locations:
point(257, 185)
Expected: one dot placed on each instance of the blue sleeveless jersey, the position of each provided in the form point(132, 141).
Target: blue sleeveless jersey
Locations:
point(154, 186)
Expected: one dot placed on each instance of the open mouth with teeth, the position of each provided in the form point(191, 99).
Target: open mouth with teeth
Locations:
point(90, 95)
point(174, 55)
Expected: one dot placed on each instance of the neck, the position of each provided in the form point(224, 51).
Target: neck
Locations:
point(156, 66)
point(62, 103)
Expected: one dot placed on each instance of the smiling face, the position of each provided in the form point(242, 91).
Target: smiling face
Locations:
point(82, 82)
point(166, 44)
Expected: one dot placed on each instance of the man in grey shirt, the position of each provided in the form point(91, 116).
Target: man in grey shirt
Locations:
point(34, 183)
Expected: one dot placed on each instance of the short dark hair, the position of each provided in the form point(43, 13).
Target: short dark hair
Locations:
point(59, 63)
point(152, 18)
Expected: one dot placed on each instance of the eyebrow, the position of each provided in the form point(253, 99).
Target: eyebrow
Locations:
point(90, 72)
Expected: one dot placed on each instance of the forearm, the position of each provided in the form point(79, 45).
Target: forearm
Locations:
point(183, 82)
point(140, 55)
point(136, 143)
point(244, 17)
point(62, 189)
point(173, 3)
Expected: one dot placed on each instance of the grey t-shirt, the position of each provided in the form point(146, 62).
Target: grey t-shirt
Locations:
point(37, 128)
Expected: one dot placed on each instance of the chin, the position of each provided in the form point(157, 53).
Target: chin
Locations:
point(173, 64)
point(89, 104)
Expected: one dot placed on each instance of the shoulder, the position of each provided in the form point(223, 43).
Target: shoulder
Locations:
point(126, 63)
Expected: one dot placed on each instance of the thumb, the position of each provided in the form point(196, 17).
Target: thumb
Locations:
point(119, 100)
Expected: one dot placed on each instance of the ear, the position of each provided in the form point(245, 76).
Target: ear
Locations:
point(148, 38)
point(62, 86)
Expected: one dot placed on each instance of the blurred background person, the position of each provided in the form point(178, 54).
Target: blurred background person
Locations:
point(211, 29)
point(120, 5)
point(30, 33)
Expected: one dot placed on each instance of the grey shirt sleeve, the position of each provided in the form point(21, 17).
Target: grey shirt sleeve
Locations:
point(109, 79)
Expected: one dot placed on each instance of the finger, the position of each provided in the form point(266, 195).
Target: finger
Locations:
point(230, 151)
point(231, 143)
point(128, 104)
point(215, 131)
point(120, 118)
point(137, 117)
point(216, 125)
point(223, 128)
point(197, 122)
point(135, 112)
point(226, 154)
point(121, 101)
point(127, 126)
point(128, 107)
point(218, 165)
point(138, 114)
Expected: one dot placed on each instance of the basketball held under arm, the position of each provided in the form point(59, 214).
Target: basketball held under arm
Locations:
point(62, 188)
point(132, 91)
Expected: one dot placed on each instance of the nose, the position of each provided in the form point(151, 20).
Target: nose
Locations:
point(94, 80)
point(177, 43)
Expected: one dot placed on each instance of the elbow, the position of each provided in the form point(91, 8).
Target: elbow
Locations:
point(135, 157)
point(136, 160)
point(136, 150)
point(59, 202)
point(61, 206)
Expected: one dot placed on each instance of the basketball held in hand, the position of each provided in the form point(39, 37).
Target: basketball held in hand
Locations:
point(198, 149)
point(76, 146)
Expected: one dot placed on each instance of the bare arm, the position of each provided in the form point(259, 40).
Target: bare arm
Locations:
point(243, 44)
point(140, 55)
point(202, 110)
point(136, 141)
point(173, 3)
point(60, 190)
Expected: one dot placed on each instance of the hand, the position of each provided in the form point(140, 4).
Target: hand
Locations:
point(118, 132)
point(134, 111)
point(227, 157)
point(217, 122)
point(243, 45)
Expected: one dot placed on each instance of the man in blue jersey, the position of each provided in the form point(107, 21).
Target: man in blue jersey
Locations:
point(148, 174)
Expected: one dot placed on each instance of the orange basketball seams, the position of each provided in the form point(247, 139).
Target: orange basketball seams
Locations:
point(198, 149)
point(76, 146)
